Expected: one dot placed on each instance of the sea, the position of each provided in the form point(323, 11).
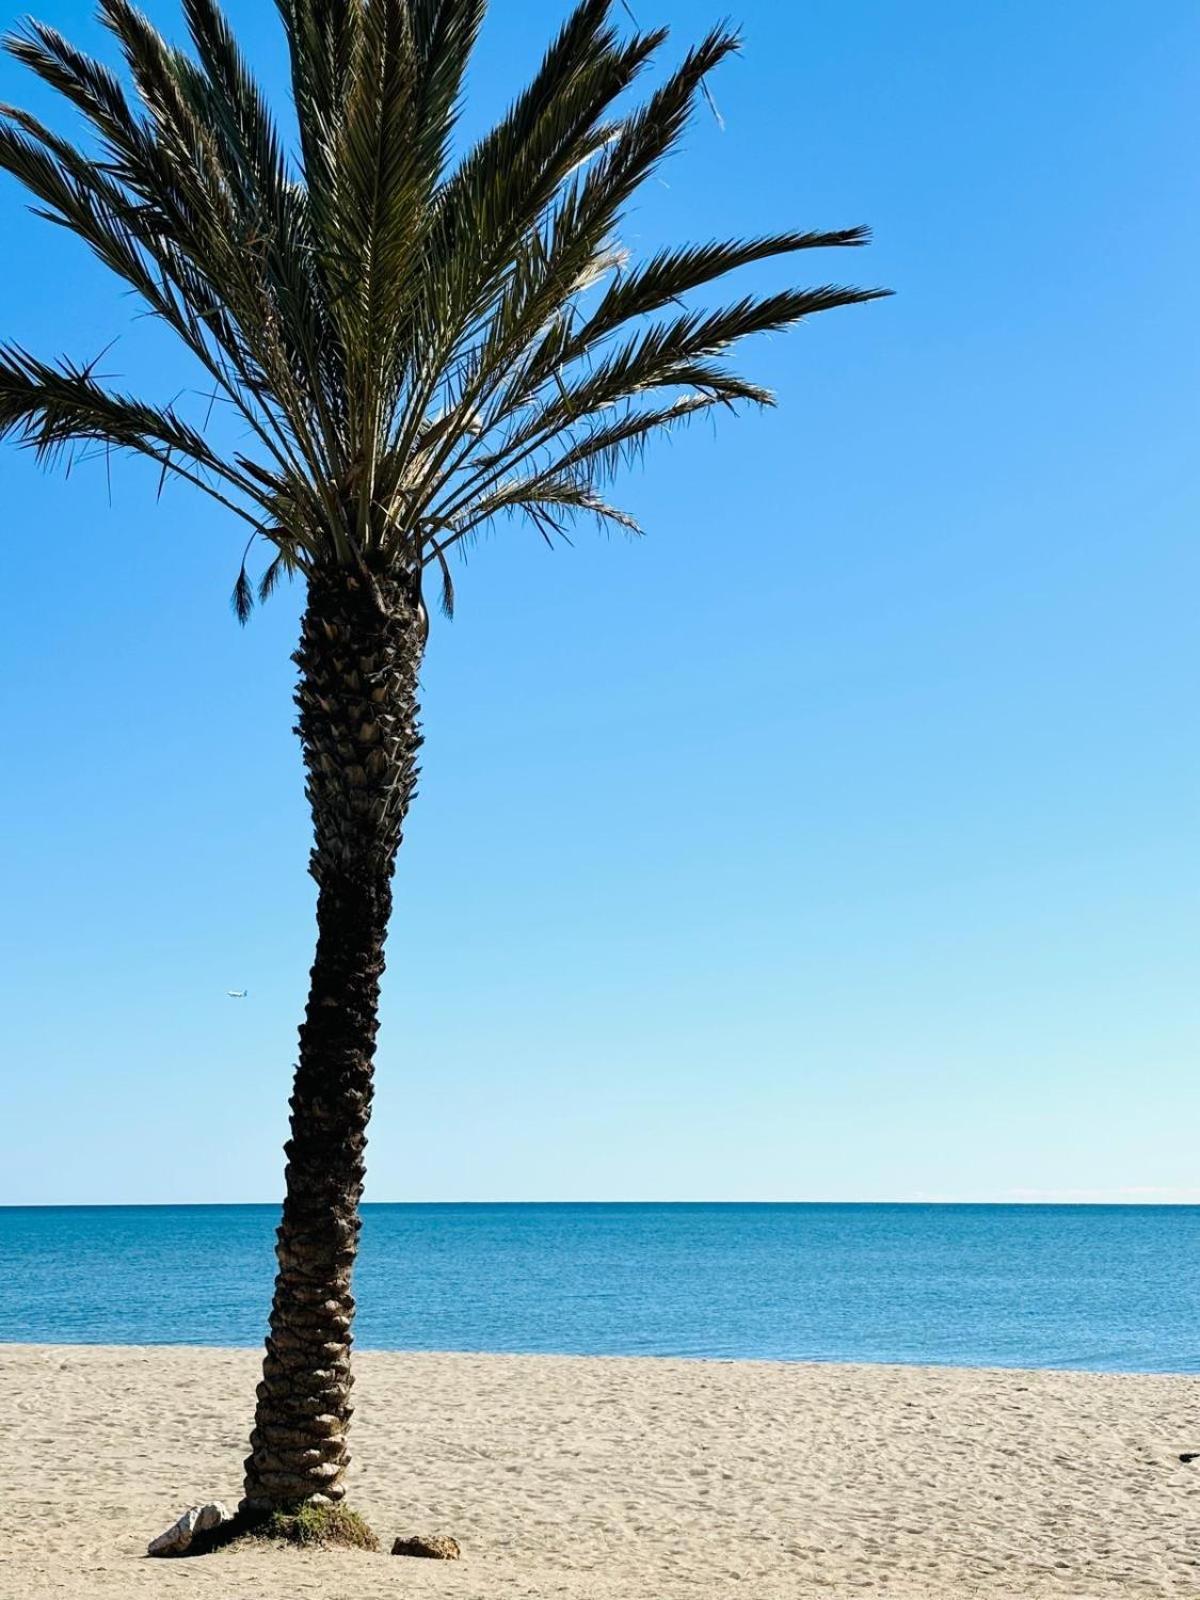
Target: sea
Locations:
point(1102, 1288)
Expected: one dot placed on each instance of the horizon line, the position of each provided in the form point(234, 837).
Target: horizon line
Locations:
point(1047, 1201)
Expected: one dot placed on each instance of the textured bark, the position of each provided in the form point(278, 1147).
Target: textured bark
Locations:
point(359, 657)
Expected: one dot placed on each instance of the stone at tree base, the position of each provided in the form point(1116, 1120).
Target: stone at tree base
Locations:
point(437, 1546)
point(211, 1516)
point(177, 1539)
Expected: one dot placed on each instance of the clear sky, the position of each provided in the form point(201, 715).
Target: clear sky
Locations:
point(837, 841)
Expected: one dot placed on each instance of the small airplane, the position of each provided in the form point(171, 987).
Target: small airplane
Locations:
point(237, 994)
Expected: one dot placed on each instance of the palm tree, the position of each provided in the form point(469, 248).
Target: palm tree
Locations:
point(416, 342)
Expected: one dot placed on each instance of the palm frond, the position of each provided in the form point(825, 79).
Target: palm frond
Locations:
point(242, 117)
point(673, 273)
point(242, 599)
point(675, 354)
point(274, 210)
point(145, 198)
point(287, 561)
point(496, 197)
point(606, 448)
point(87, 84)
point(415, 343)
point(320, 37)
point(549, 499)
point(269, 581)
point(51, 407)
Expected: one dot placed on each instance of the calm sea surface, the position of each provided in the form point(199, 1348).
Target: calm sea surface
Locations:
point(1106, 1287)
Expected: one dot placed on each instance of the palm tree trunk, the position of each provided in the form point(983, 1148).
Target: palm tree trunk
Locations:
point(359, 656)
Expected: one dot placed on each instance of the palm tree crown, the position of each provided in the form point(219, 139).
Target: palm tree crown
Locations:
point(406, 332)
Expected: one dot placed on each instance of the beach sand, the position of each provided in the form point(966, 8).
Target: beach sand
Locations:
point(642, 1479)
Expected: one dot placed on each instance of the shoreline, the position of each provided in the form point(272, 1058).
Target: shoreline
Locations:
point(418, 1351)
point(619, 1477)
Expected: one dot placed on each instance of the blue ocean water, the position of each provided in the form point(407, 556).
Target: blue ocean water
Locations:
point(1113, 1288)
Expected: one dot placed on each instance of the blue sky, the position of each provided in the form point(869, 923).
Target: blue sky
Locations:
point(836, 841)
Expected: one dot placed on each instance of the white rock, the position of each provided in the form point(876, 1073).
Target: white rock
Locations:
point(212, 1516)
point(196, 1519)
point(175, 1540)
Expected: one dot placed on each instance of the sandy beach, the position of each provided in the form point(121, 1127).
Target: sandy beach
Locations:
point(643, 1479)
